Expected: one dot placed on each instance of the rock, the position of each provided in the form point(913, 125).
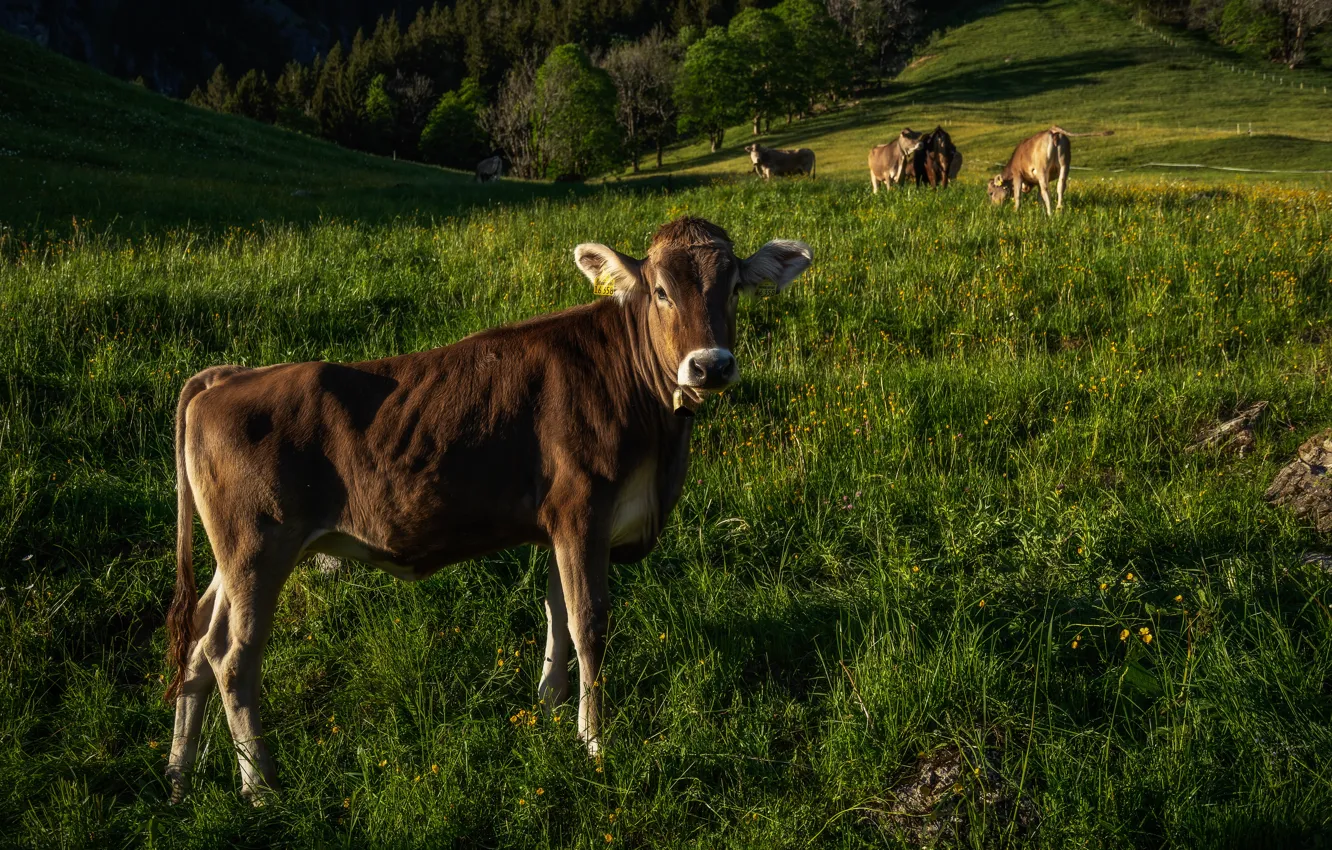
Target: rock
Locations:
point(1303, 485)
point(327, 564)
point(302, 193)
point(945, 790)
point(1320, 560)
point(1234, 435)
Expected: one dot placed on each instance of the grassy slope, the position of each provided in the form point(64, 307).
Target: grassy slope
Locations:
point(1081, 64)
point(76, 143)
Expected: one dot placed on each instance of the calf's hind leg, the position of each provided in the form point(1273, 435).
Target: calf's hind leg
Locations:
point(196, 684)
point(251, 585)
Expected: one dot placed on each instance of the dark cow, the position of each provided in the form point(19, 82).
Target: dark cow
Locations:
point(569, 430)
point(490, 168)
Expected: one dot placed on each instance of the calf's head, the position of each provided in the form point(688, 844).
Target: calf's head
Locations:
point(909, 141)
point(755, 152)
point(998, 189)
point(685, 293)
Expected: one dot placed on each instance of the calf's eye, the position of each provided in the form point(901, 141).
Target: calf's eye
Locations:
point(661, 294)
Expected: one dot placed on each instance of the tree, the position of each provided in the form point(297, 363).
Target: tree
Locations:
point(644, 76)
point(822, 62)
point(509, 121)
point(882, 30)
point(216, 94)
point(453, 134)
point(292, 94)
point(380, 116)
point(765, 46)
point(253, 97)
point(1300, 18)
point(705, 90)
point(573, 119)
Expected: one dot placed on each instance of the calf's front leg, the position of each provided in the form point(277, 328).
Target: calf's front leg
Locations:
point(554, 687)
point(584, 562)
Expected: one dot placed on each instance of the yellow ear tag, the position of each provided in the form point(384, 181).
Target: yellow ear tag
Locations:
point(603, 285)
point(766, 288)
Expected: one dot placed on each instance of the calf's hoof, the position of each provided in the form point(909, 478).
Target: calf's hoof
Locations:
point(180, 785)
point(259, 796)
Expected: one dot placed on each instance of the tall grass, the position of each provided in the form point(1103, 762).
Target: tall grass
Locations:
point(957, 450)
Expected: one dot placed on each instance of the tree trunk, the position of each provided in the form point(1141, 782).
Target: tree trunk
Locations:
point(659, 152)
point(758, 119)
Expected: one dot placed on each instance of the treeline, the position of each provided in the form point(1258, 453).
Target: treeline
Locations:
point(1293, 32)
point(543, 83)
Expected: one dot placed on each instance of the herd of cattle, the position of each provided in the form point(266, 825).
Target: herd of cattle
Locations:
point(927, 158)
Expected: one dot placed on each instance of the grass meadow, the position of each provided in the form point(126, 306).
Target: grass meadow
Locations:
point(949, 506)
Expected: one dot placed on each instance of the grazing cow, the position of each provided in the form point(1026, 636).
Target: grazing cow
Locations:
point(490, 168)
point(770, 161)
point(569, 430)
point(888, 163)
point(1037, 160)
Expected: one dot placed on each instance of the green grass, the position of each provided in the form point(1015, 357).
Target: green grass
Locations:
point(995, 411)
point(1019, 67)
point(956, 405)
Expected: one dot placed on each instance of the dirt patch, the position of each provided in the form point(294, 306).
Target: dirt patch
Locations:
point(1303, 485)
point(954, 795)
point(921, 60)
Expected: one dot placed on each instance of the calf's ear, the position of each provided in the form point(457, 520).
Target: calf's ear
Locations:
point(779, 262)
point(610, 271)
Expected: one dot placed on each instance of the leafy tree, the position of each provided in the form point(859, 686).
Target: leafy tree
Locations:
point(822, 63)
point(766, 47)
point(253, 97)
point(380, 115)
point(509, 120)
point(573, 119)
point(705, 91)
point(453, 134)
point(1249, 28)
point(644, 75)
point(882, 30)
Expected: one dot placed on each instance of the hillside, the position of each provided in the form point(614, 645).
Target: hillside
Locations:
point(76, 143)
point(1083, 64)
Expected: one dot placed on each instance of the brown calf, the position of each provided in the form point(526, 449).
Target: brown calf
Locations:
point(888, 163)
point(1037, 160)
point(569, 431)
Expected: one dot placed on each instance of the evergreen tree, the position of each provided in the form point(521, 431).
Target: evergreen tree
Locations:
point(292, 94)
point(574, 123)
point(253, 98)
point(216, 94)
point(705, 91)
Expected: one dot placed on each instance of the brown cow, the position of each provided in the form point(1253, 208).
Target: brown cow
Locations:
point(1037, 160)
point(568, 430)
point(888, 163)
point(942, 158)
point(770, 161)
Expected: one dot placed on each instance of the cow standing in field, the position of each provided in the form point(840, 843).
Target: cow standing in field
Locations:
point(569, 430)
point(888, 163)
point(490, 168)
point(942, 159)
point(770, 161)
point(1037, 160)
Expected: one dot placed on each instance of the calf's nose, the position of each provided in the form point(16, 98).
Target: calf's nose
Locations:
point(710, 369)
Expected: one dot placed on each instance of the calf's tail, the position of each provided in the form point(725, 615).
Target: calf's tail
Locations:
point(180, 617)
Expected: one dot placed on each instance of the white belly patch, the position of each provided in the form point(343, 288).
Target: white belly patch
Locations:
point(345, 546)
point(635, 516)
